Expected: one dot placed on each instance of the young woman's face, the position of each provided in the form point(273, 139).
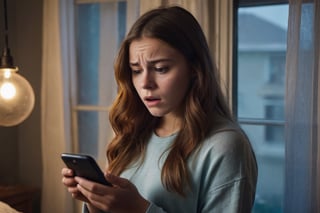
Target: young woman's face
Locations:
point(160, 74)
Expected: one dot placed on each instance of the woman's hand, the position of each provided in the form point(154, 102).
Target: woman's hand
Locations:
point(71, 184)
point(123, 196)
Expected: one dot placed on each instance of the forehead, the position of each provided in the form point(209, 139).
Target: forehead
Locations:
point(150, 49)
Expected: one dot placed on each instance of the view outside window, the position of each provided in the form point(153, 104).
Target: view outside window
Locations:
point(262, 36)
point(93, 49)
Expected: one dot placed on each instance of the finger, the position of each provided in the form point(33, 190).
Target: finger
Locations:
point(67, 172)
point(117, 181)
point(73, 190)
point(87, 193)
point(79, 196)
point(92, 198)
point(69, 181)
point(91, 186)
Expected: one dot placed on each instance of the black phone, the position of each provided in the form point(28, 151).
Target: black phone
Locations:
point(84, 166)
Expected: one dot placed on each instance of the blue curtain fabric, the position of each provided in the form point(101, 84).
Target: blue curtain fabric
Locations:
point(302, 108)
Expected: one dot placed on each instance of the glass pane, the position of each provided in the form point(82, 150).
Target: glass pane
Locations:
point(88, 132)
point(91, 18)
point(91, 130)
point(88, 23)
point(100, 28)
point(261, 58)
point(262, 34)
point(270, 158)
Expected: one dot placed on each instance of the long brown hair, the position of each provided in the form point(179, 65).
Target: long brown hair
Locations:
point(131, 121)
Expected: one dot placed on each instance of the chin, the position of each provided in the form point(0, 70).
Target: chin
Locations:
point(156, 113)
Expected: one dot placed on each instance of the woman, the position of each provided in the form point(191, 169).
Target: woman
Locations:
point(176, 146)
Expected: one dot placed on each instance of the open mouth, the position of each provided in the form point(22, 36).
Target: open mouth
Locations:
point(151, 101)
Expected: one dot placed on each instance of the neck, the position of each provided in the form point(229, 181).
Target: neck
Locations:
point(168, 126)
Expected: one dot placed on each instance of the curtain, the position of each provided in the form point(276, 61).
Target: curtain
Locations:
point(216, 20)
point(198, 8)
point(55, 103)
point(302, 108)
point(108, 48)
point(220, 40)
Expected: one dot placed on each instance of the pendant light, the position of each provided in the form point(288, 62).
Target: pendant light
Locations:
point(16, 94)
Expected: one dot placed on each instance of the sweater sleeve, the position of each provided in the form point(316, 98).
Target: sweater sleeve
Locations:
point(230, 175)
point(154, 209)
point(231, 198)
point(85, 209)
point(151, 209)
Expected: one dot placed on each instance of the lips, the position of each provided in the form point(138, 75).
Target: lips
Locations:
point(151, 101)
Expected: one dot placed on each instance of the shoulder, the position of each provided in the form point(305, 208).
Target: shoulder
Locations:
point(226, 136)
point(229, 140)
point(227, 151)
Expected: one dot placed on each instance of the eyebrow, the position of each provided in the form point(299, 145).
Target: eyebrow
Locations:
point(152, 62)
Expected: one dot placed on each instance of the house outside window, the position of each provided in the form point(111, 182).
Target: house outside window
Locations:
point(260, 92)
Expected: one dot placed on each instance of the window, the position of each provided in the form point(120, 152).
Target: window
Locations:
point(277, 68)
point(259, 94)
point(274, 134)
point(100, 28)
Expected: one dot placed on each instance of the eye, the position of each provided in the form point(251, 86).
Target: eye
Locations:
point(161, 69)
point(136, 71)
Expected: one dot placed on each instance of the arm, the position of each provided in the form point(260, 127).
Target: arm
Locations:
point(154, 209)
point(151, 209)
point(229, 174)
point(234, 197)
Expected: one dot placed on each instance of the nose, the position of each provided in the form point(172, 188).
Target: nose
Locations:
point(147, 80)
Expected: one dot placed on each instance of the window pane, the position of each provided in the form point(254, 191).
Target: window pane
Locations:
point(261, 58)
point(92, 127)
point(88, 53)
point(100, 28)
point(88, 132)
point(270, 186)
point(262, 34)
point(91, 18)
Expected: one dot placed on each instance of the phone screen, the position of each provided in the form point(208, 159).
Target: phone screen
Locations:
point(84, 166)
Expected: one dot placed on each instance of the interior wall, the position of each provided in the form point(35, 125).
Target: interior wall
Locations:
point(9, 157)
point(20, 146)
point(28, 57)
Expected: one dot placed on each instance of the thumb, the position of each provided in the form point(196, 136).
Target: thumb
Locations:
point(117, 181)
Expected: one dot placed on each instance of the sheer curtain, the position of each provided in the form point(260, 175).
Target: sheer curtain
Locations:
point(55, 108)
point(302, 111)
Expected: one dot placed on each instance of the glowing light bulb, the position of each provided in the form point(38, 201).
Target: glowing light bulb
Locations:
point(16, 97)
point(7, 91)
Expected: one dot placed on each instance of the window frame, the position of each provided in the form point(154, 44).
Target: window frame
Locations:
point(268, 150)
point(244, 120)
point(100, 108)
point(237, 5)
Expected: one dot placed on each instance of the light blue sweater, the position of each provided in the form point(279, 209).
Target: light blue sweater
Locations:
point(223, 176)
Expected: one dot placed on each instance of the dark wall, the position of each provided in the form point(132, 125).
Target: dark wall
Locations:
point(9, 157)
point(28, 58)
point(20, 146)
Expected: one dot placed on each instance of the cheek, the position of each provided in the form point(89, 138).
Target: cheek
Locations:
point(177, 90)
point(135, 85)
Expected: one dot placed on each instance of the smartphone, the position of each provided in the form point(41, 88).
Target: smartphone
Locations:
point(84, 166)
